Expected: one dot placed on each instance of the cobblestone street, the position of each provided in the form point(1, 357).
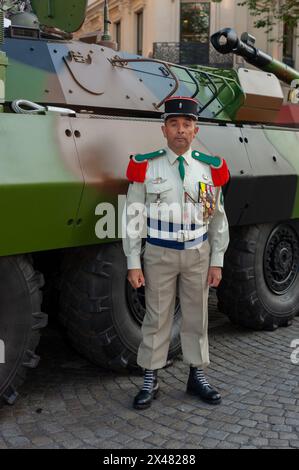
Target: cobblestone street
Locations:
point(69, 403)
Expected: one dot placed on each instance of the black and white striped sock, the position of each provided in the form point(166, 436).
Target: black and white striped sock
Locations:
point(149, 379)
point(200, 375)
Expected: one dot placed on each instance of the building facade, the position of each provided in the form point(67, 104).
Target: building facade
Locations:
point(179, 30)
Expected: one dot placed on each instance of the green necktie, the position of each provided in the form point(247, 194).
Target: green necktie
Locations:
point(181, 160)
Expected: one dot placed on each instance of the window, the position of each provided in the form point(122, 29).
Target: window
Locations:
point(195, 32)
point(195, 21)
point(139, 20)
point(288, 44)
point(118, 34)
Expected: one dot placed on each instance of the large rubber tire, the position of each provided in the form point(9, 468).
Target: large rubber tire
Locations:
point(20, 321)
point(260, 286)
point(101, 312)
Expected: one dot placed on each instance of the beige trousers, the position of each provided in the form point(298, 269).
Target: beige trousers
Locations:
point(163, 267)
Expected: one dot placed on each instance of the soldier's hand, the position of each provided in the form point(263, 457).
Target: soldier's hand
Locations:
point(214, 276)
point(136, 278)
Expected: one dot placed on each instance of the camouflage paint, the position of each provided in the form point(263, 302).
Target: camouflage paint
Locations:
point(227, 41)
point(52, 74)
point(67, 15)
point(282, 71)
point(287, 144)
point(3, 66)
point(39, 195)
point(55, 170)
point(67, 166)
point(225, 83)
point(25, 80)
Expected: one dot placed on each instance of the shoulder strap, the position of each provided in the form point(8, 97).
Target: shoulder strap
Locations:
point(149, 156)
point(208, 159)
point(219, 168)
point(136, 171)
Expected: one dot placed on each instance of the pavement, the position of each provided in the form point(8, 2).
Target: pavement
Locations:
point(69, 403)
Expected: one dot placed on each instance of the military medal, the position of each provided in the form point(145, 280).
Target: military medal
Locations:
point(202, 193)
point(207, 200)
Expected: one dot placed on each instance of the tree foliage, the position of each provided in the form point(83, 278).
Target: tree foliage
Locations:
point(10, 7)
point(270, 12)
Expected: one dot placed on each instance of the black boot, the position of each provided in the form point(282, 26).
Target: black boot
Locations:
point(149, 390)
point(198, 385)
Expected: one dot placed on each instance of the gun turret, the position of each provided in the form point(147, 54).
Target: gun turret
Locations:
point(67, 15)
point(227, 41)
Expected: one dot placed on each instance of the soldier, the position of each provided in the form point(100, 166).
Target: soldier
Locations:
point(187, 242)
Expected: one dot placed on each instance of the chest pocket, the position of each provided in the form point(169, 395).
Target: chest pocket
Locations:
point(158, 192)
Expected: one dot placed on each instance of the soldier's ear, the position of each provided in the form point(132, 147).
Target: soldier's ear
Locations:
point(163, 130)
point(196, 130)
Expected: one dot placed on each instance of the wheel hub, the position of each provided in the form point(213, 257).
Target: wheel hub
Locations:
point(281, 259)
point(136, 301)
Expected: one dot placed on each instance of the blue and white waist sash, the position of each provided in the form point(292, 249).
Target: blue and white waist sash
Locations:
point(174, 235)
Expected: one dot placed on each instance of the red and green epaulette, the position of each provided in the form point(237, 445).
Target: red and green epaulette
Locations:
point(219, 168)
point(136, 171)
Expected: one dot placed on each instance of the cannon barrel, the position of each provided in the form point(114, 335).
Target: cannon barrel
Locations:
point(227, 41)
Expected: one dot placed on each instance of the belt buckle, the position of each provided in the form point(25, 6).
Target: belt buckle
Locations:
point(189, 236)
point(181, 236)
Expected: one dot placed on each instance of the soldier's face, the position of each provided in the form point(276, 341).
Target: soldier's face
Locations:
point(179, 132)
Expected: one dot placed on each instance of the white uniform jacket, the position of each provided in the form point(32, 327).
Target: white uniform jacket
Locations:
point(178, 214)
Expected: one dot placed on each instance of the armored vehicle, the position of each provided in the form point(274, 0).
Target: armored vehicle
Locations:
point(71, 115)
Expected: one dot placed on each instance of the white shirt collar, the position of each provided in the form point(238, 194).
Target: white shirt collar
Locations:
point(172, 157)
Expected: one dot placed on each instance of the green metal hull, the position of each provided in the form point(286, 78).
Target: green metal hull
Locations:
point(57, 166)
point(55, 170)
